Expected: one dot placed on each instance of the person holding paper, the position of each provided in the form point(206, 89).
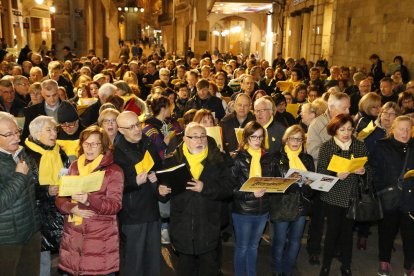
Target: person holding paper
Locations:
point(90, 242)
point(250, 210)
point(335, 203)
point(390, 159)
point(288, 234)
point(48, 161)
point(195, 213)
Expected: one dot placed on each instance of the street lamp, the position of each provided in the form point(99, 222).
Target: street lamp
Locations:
point(39, 2)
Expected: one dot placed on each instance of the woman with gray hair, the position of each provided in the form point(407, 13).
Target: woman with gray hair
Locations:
point(48, 161)
point(131, 101)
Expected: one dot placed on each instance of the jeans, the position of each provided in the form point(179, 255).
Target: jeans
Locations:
point(286, 244)
point(247, 230)
point(45, 263)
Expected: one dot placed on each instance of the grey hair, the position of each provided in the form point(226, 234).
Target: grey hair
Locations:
point(260, 100)
point(5, 116)
point(38, 123)
point(36, 68)
point(335, 98)
point(192, 125)
point(49, 85)
point(106, 90)
point(164, 70)
point(123, 85)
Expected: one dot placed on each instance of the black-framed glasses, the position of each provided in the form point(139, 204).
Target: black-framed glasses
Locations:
point(294, 139)
point(256, 138)
point(68, 124)
point(90, 145)
point(197, 138)
point(10, 134)
point(132, 127)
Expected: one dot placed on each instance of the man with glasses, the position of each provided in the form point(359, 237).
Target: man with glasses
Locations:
point(8, 100)
point(139, 217)
point(19, 216)
point(263, 110)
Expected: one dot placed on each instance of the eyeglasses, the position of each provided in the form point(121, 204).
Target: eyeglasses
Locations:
point(132, 127)
point(108, 121)
point(260, 111)
point(198, 138)
point(8, 135)
point(294, 139)
point(90, 145)
point(68, 124)
point(255, 138)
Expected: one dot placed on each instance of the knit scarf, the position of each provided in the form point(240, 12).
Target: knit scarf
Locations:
point(266, 135)
point(70, 147)
point(255, 168)
point(194, 160)
point(85, 169)
point(294, 160)
point(50, 163)
point(342, 145)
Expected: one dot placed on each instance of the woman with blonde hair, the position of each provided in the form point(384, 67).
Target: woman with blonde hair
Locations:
point(369, 108)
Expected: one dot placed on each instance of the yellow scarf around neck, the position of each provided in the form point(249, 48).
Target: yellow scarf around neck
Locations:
point(255, 167)
point(50, 163)
point(89, 168)
point(194, 160)
point(294, 160)
point(267, 135)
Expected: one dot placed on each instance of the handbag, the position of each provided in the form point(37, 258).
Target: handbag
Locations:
point(365, 205)
point(286, 209)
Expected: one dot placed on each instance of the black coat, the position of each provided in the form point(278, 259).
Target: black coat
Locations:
point(228, 124)
point(212, 103)
point(50, 217)
point(196, 217)
point(91, 114)
point(243, 202)
point(282, 163)
point(139, 203)
point(30, 113)
point(387, 160)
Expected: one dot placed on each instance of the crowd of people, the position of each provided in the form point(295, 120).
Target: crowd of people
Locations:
point(88, 116)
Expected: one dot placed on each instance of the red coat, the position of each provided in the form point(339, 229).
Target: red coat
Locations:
point(92, 248)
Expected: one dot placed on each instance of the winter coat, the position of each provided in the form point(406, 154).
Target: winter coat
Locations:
point(212, 103)
point(92, 248)
point(387, 160)
point(50, 217)
point(282, 162)
point(243, 202)
point(195, 217)
point(228, 124)
point(19, 215)
point(139, 203)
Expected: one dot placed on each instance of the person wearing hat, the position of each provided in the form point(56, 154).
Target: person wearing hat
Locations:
point(282, 116)
point(69, 129)
point(99, 78)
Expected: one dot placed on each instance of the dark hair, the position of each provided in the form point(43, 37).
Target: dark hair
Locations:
point(158, 103)
point(298, 72)
point(256, 94)
point(117, 101)
point(374, 56)
point(406, 95)
point(387, 79)
point(189, 116)
point(202, 84)
point(180, 85)
point(249, 129)
point(399, 58)
point(105, 141)
point(337, 122)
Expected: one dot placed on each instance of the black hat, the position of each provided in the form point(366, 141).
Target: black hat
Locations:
point(66, 113)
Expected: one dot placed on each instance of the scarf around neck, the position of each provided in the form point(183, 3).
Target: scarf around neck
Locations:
point(342, 145)
point(294, 160)
point(85, 169)
point(194, 160)
point(255, 167)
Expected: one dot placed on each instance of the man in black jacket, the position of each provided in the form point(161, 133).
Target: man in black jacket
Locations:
point(203, 99)
point(139, 217)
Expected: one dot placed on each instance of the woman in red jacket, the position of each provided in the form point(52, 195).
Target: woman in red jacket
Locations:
point(90, 242)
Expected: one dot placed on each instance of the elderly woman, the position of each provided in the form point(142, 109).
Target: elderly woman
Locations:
point(250, 210)
point(390, 159)
point(131, 102)
point(309, 111)
point(195, 213)
point(48, 161)
point(369, 108)
point(336, 202)
point(107, 121)
point(90, 242)
point(288, 233)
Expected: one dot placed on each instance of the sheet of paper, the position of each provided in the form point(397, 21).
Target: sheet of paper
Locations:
point(239, 134)
point(316, 181)
point(75, 184)
point(145, 164)
point(409, 174)
point(339, 164)
point(271, 184)
point(215, 133)
point(293, 109)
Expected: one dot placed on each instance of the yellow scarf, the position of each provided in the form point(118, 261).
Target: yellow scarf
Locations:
point(50, 163)
point(194, 160)
point(255, 167)
point(89, 168)
point(266, 135)
point(294, 160)
point(70, 147)
point(84, 170)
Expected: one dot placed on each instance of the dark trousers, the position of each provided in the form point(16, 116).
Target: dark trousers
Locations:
point(198, 265)
point(141, 249)
point(387, 230)
point(315, 231)
point(22, 259)
point(339, 232)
